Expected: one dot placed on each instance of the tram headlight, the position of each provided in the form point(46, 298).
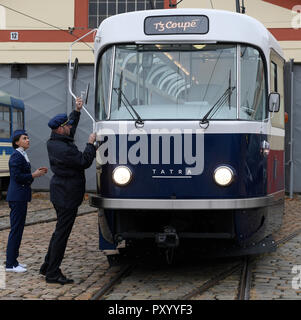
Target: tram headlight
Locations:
point(223, 176)
point(122, 175)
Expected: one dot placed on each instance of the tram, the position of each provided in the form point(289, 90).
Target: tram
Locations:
point(189, 107)
point(11, 119)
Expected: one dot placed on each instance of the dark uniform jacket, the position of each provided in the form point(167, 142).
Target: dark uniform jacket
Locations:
point(20, 178)
point(67, 185)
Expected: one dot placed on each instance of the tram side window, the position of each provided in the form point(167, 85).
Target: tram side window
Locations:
point(18, 119)
point(253, 85)
point(4, 122)
point(277, 85)
point(274, 81)
point(103, 81)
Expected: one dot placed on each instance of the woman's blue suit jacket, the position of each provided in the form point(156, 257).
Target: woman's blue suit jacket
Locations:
point(20, 178)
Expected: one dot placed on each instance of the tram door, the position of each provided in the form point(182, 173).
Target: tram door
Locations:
point(276, 136)
point(294, 121)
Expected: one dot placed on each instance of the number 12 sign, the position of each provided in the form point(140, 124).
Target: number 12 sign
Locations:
point(14, 36)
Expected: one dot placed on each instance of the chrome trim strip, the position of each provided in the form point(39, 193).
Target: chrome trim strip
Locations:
point(185, 204)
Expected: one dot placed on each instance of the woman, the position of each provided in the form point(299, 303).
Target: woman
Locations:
point(18, 195)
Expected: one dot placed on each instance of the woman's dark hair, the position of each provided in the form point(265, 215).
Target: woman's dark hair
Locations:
point(16, 139)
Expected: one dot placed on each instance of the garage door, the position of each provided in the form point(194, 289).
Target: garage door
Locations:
point(44, 89)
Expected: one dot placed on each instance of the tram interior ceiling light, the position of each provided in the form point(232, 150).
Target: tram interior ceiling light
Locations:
point(223, 176)
point(122, 175)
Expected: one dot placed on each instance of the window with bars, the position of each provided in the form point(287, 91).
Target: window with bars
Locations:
point(102, 9)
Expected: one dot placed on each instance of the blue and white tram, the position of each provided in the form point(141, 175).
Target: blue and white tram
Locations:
point(190, 121)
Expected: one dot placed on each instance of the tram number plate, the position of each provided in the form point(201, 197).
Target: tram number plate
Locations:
point(176, 25)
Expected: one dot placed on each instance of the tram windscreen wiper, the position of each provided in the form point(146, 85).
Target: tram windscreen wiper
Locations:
point(122, 98)
point(219, 103)
point(120, 87)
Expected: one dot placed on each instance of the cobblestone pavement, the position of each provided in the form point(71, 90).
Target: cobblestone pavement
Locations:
point(170, 282)
point(46, 212)
point(83, 261)
point(272, 274)
point(271, 277)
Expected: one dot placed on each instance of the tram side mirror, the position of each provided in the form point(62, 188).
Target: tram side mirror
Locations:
point(274, 102)
point(75, 68)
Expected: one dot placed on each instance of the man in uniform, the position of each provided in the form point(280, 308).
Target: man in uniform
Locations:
point(67, 186)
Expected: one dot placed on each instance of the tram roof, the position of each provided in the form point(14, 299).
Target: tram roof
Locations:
point(224, 26)
point(8, 100)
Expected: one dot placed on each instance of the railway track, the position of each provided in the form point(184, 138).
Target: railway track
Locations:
point(244, 267)
point(210, 283)
point(126, 269)
point(245, 280)
point(239, 272)
point(44, 215)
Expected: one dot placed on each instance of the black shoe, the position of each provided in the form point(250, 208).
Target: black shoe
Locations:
point(43, 269)
point(61, 279)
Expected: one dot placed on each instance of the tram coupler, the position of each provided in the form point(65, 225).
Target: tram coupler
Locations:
point(167, 239)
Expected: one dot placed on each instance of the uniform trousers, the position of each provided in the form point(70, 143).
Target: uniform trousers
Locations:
point(59, 239)
point(17, 223)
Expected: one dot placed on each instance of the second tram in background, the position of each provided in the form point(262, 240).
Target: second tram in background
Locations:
point(11, 119)
point(190, 120)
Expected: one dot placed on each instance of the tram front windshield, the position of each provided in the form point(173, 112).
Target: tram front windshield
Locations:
point(181, 81)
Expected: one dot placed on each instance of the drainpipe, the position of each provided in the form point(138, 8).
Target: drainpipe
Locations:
point(291, 161)
point(237, 6)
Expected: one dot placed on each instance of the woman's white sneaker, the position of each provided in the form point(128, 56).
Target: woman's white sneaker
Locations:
point(16, 269)
point(23, 265)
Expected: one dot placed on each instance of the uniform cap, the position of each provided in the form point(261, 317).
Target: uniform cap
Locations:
point(59, 120)
point(19, 133)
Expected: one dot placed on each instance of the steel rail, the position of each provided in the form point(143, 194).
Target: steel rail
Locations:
point(99, 295)
point(245, 280)
point(46, 220)
point(288, 237)
point(211, 282)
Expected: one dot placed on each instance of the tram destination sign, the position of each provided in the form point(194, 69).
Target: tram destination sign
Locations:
point(176, 25)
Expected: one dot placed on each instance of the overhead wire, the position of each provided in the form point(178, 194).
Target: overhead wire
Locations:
point(44, 22)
